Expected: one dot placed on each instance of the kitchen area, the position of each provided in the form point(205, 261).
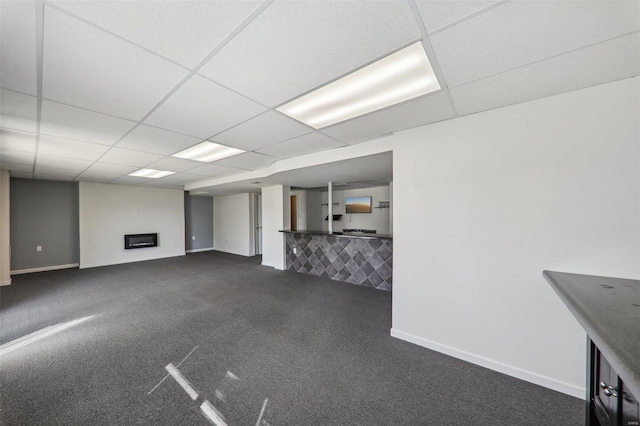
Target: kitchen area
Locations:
point(344, 232)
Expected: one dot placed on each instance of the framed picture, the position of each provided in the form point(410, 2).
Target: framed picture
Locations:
point(358, 204)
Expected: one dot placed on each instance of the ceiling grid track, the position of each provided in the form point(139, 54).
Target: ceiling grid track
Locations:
point(546, 58)
point(426, 43)
point(253, 15)
point(39, 59)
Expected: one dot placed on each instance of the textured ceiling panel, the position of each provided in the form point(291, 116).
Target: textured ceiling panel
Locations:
point(98, 177)
point(518, 33)
point(158, 141)
point(266, 129)
point(63, 163)
point(129, 157)
point(183, 31)
point(293, 47)
point(17, 141)
point(214, 170)
point(89, 68)
point(301, 145)
point(201, 108)
point(428, 109)
point(602, 63)
point(247, 161)
point(111, 169)
point(18, 111)
point(61, 147)
point(437, 14)
point(75, 123)
point(18, 46)
point(16, 157)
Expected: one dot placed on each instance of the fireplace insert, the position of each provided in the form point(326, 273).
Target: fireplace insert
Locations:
point(134, 241)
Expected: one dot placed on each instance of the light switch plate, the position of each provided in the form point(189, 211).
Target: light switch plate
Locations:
point(38, 248)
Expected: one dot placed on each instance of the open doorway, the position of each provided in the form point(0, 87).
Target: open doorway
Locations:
point(294, 212)
point(256, 200)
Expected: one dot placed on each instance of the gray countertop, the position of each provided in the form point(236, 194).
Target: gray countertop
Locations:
point(609, 311)
point(339, 234)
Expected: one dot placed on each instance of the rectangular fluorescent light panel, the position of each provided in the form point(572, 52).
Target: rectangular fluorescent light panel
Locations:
point(207, 152)
point(403, 75)
point(151, 173)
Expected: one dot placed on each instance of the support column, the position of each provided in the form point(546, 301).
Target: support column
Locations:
point(5, 245)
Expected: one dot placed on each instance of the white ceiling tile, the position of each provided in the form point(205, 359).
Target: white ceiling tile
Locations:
point(19, 174)
point(61, 147)
point(247, 161)
point(128, 157)
point(98, 177)
point(62, 162)
point(132, 180)
point(301, 145)
point(18, 46)
point(174, 164)
point(56, 177)
point(54, 171)
point(89, 68)
point(158, 141)
point(521, 32)
point(266, 129)
point(214, 170)
point(202, 108)
point(106, 168)
point(17, 157)
point(183, 31)
point(293, 47)
point(18, 111)
point(75, 123)
point(437, 14)
point(427, 109)
point(14, 167)
point(17, 141)
point(598, 64)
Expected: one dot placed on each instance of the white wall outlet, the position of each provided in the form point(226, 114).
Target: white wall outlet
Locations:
point(193, 237)
point(226, 238)
point(38, 248)
point(295, 250)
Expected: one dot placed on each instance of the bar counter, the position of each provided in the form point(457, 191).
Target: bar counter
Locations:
point(358, 258)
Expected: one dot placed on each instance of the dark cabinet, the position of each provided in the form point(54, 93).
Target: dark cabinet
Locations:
point(610, 402)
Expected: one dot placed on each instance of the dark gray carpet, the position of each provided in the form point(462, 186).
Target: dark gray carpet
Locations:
point(317, 350)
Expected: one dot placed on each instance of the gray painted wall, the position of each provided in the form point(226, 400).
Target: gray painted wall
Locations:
point(198, 215)
point(44, 213)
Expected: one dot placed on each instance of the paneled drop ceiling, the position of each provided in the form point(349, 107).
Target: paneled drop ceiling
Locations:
point(94, 90)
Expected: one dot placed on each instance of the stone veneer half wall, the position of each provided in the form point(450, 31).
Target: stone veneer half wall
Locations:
point(356, 260)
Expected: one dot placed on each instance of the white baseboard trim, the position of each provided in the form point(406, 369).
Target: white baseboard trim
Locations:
point(45, 268)
point(5, 282)
point(199, 250)
point(494, 365)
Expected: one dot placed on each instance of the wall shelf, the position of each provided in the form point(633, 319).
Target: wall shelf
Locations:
point(382, 205)
point(326, 204)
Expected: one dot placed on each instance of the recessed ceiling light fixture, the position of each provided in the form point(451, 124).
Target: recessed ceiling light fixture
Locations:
point(403, 75)
point(151, 173)
point(207, 152)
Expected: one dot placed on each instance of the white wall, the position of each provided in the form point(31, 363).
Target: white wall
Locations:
point(275, 217)
point(302, 207)
point(108, 212)
point(485, 203)
point(378, 219)
point(5, 248)
point(232, 224)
